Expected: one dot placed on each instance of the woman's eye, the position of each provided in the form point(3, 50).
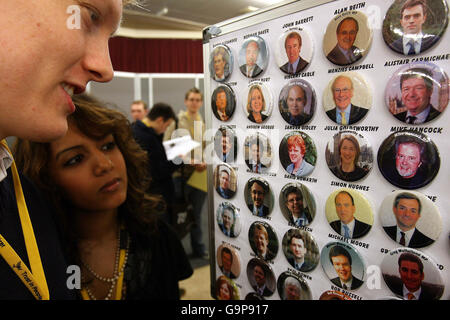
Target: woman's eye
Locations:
point(74, 160)
point(109, 146)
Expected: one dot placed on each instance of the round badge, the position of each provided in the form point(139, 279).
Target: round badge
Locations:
point(334, 295)
point(257, 102)
point(261, 277)
point(293, 287)
point(226, 289)
point(294, 51)
point(263, 240)
point(408, 159)
point(349, 155)
point(223, 103)
point(253, 57)
point(257, 153)
point(349, 213)
point(412, 275)
point(301, 250)
point(225, 144)
point(297, 102)
point(348, 38)
point(259, 197)
point(228, 261)
point(347, 98)
point(221, 63)
point(228, 219)
point(298, 154)
point(411, 27)
point(417, 93)
point(410, 219)
point(297, 204)
point(343, 265)
point(225, 181)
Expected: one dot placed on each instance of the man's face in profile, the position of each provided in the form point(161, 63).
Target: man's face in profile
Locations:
point(415, 95)
point(410, 274)
point(297, 247)
point(221, 101)
point(295, 101)
point(342, 267)
point(257, 193)
point(293, 48)
point(412, 20)
point(219, 65)
point(407, 213)
point(346, 34)
point(407, 160)
point(342, 92)
point(251, 53)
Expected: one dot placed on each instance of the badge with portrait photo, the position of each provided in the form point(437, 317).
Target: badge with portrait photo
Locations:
point(257, 102)
point(221, 63)
point(348, 38)
point(228, 219)
point(293, 287)
point(417, 93)
point(294, 50)
point(259, 197)
point(261, 277)
point(298, 154)
point(253, 57)
point(225, 181)
point(347, 98)
point(412, 275)
point(349, 213)
point(411, 27)
point(300, 250)
point(257, 153)
point(263, 240)
point(297, 102)
point(225, 144)
point(297, 204)
point(343, 265)
point(349, 155)
point(223, 102)
point(408, 159)
point(410, 219)
point(226, 289)
point(228, 261)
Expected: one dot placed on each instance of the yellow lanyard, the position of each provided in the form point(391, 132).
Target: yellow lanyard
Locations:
point(34, 280)
point(119, 284)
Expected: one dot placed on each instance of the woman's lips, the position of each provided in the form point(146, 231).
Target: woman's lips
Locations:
point(111, 186)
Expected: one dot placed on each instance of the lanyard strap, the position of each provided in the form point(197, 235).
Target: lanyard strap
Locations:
point(34, 280)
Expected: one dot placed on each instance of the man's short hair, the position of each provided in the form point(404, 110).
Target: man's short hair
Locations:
point(193, 90)
point(411, 140)
point(338, 250)
point(418, 73)
point(409, 196)
point(258, 182)
point(406, 256)
point(290, 190)
point(346, 19)
point(141, 102)
point(293, 35)
point(161, 110)
point(305, 97)
point(227, 250)
point(347, 193)
point(412, 3)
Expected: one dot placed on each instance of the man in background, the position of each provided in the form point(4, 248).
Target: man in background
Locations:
point(138, 110)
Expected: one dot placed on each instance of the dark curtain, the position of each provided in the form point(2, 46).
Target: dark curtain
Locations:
point(156, 55)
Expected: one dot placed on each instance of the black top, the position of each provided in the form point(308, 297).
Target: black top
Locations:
point(156, 263)
point(354, 175)
point(48, 241)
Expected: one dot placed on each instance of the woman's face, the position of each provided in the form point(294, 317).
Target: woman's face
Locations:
point(224, 292)
point(256, 101)
point(91, 173)
point(50, 51)
point(295, 154)
point(347, 152)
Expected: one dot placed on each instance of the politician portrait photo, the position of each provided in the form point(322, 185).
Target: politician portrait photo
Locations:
point(221, 63)
point(228, 219)
point(294, 50)
point(297, 102)
point(228, 261)
point(348, 38)
point(410, 218)
point(297, 204)
point(298, 154)
point(259, 197)
point(417, 93)
point(257, 153)
point(347, 98)
point(263, 240)
point(261, 277)
point(300, 250)
point(408, 159)
point(225, 144)
point(293, 287)
point(223, 103)
point(253, 57)
point(411, 27)
point(225, 181)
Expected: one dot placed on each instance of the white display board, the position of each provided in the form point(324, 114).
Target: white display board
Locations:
point(377, 67)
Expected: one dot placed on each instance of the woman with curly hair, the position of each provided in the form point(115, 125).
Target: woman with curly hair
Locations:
point(93, 176)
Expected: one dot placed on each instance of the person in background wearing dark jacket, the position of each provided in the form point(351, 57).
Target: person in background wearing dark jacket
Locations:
point(149, 134)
